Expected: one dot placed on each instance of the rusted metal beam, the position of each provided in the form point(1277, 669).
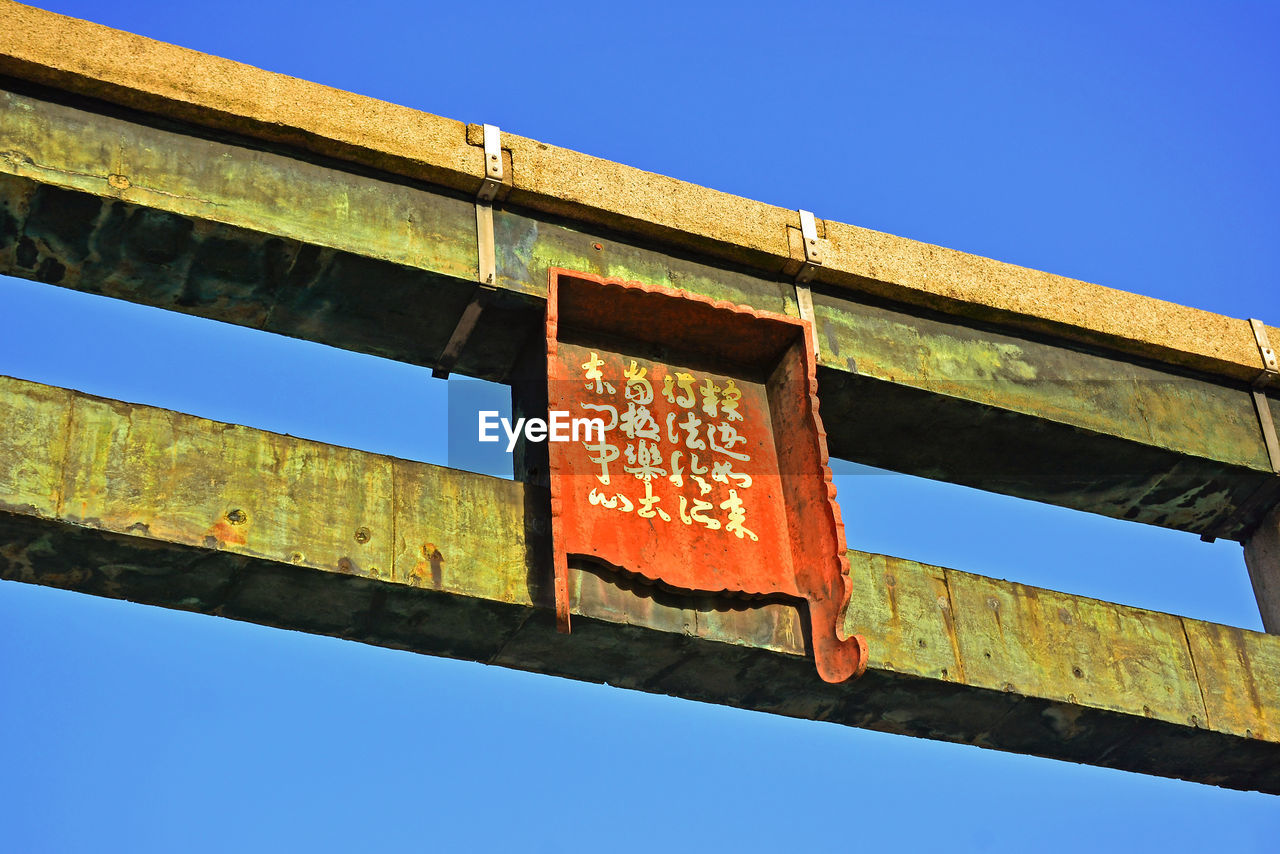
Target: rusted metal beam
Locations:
point(110, 204)
point(149, 505)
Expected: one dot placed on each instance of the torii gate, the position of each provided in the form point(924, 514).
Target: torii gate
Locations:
point(160, 175)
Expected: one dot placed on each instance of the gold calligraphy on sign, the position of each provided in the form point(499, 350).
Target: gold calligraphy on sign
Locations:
point(680, 454)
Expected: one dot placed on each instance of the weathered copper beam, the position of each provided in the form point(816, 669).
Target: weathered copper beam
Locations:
point(111, 204)
point(149, 505)
point(220, 97)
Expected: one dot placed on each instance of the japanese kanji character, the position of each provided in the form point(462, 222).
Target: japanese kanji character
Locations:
point(677, 473)
point(605, 453)
point(730, 437)
point(645, 461)
point(696, 514)
point(672, 436)
point(594, 376)
point(638, 388)
point(729, 398)
point(638, 423)
point(597, 497)
point(685, 381)
point(647, 510)
point(694, 468)
point(722, 472)
point(691, 425)
point(709, 400)
point(736, 516)
point(601, 407)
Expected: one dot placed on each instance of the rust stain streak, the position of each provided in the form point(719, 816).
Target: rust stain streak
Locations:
point(1246, 669)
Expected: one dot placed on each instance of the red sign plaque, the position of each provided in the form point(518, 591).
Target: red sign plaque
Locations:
point(710, 471)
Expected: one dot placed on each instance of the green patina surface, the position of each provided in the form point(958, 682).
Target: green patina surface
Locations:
point(465, 534)
point(906, 607)
point(528, 248)
point(203, 179)
point(322, 507)
point(254, 237)
point(34, 446)
point(1239, 676)
point(1084, 390)
point(141, 503)
point(1076, 650)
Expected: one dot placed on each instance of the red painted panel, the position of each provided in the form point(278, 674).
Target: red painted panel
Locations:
point(711, 474)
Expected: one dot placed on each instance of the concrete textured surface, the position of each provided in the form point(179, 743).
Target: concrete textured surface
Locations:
point(140, 503)
point(130, 71)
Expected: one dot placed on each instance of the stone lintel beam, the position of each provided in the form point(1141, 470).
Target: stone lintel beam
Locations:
point(175, 84)
point(153, 506)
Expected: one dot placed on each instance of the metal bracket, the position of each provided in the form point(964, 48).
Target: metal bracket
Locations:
point(1268, 428)
point(492, 164)
point(486, 254)
point(486, 250)
point(486, 266)
point(1270, 364)
point(812, 260)
point(812, 249)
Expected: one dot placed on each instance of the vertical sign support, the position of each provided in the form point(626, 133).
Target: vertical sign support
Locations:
point(486, 254)
point(812, 260)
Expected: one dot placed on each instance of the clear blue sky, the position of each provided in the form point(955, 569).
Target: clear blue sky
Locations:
point(1128, 144)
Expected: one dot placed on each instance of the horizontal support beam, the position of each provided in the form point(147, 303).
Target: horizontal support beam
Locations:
point(111, 205)
point(149, 505)
point(219, 95)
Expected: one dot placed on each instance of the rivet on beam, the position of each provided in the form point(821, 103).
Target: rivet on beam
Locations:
point(486, 254)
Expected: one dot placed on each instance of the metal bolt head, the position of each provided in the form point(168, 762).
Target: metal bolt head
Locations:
point(363, 535)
